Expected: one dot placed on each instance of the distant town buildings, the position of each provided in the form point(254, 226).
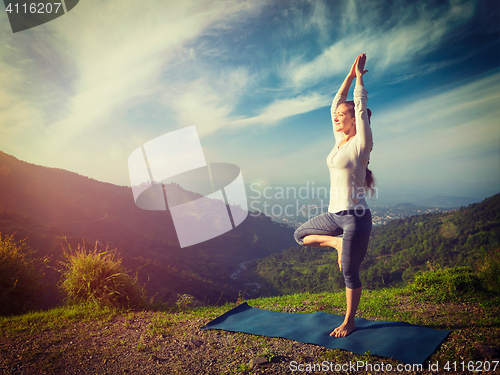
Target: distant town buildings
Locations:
point(380, 215)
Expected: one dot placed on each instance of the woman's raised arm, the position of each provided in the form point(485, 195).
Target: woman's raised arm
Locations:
point(363, 130)
point(344, 88)
point(359, 69)
point(341, 98)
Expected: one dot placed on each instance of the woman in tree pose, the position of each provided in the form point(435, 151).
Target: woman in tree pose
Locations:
point(350, 180)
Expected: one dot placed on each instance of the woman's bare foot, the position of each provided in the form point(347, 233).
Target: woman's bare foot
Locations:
point(339, 252)
point(343, 330)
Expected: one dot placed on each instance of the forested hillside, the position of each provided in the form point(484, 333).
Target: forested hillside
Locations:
point(396, 251)
point(48, 206)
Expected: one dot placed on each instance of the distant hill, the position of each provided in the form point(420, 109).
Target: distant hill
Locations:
point(447, 201)
point(405, 205)
point(46, 204)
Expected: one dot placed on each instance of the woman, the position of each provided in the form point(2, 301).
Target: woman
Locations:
point(348, 213)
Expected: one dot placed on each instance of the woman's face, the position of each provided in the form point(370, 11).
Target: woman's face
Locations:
point(344, 122)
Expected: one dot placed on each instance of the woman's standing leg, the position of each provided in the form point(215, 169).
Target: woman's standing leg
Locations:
point(352, 296)
point(357, 231)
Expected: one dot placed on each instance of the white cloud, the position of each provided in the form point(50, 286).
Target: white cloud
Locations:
point(449, 109)
point(284, 108)
point(123, 57)
point(209, 101)
point(449, 139)
point(18, 115)
point(414, 31)
point(317, 18)
point(68, 87)
point(77, 72)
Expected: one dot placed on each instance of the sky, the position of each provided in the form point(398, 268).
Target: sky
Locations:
point(257, 78)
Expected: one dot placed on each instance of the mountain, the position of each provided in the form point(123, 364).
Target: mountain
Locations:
point(50, 206)
point(390, 196)
point(447, 201)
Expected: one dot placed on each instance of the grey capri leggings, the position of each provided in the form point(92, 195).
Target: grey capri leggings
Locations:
point(355, 226)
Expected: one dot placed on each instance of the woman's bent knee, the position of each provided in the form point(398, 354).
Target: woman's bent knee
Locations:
point(298, 238)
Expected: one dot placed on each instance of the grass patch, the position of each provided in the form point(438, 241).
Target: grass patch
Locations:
point(20, 277)
point(446, 285)
point(98, 278)
point(57, 318)
point(164, 339)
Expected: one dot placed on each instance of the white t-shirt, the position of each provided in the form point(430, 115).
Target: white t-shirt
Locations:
point(348, 163)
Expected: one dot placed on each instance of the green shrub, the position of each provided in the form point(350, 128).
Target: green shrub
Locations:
point(184, 301)
point(450, 284)
point(98, 278)
point(489, 271)
point(19, 277)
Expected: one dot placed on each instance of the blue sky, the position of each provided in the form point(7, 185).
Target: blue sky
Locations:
point(257, 79)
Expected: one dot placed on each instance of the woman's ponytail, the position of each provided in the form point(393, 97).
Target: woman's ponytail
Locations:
point(369, 181)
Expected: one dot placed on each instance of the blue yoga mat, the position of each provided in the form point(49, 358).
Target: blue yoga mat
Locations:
point(402, 341)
